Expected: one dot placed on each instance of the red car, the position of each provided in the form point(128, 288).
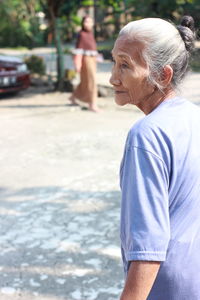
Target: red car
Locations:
point(14, 75)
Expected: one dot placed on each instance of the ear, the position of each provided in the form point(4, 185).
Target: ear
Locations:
point(166, 76)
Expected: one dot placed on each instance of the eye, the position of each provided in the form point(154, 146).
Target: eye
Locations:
point(124, 65)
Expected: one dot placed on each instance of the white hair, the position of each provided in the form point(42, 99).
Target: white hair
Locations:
point(163, 45)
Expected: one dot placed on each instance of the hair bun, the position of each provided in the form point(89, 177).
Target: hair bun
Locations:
point(188, 21)
point(187, 32)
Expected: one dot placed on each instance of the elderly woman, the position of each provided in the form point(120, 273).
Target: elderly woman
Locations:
point(160, 170)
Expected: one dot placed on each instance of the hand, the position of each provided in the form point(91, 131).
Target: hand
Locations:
point(78, 70)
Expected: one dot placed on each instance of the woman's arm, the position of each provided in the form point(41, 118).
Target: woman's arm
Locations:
point(140, 279)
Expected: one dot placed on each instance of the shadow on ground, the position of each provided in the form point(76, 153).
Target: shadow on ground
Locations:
point(60, 242)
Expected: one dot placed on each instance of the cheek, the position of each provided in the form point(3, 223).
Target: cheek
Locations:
point(134, 94)
point(134, 83)
point(130, 84)
point(128, 78)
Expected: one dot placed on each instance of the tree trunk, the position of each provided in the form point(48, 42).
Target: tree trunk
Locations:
point(60, 59)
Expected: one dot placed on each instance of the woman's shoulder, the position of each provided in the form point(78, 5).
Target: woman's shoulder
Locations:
point(152, 130)
point(165, 124)
point(148, 136)
point(164, 117)
point(142, 129)
point(83, 34)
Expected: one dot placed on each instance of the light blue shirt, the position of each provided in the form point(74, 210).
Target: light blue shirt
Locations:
point(160, 209)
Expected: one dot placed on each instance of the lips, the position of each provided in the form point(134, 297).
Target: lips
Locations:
point(120, 92)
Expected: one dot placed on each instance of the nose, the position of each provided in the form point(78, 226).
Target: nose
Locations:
point(114, 79)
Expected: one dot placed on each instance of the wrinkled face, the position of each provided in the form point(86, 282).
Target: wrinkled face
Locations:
point(129, 74)
point(88, 24)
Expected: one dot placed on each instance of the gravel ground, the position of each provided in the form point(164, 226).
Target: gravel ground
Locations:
point(60, 198)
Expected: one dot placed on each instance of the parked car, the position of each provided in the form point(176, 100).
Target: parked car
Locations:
point(14, 74)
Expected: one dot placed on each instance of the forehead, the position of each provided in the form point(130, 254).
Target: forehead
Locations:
point(125, 48)
point(88, 20)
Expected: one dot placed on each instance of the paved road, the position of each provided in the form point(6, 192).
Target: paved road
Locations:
point(59, 200)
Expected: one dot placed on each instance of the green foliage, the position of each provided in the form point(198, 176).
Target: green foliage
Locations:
point(172, 9)
point(87, 2)
point(116, 4)
point(69, 20)
point(76, 20)
point(35, 64)
point(19, 24)
point(70, 8)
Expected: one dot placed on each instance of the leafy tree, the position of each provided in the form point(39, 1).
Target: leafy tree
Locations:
point(54, 8)
point(57, 13)
point(167, 9)
point(19, 24)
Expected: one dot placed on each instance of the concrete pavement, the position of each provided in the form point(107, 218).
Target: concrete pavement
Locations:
point(60, 198)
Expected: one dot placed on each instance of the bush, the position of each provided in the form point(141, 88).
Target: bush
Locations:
point(35, 64)
point(70, 74)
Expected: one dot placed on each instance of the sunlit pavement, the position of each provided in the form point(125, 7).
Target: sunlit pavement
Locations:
point(60, 198)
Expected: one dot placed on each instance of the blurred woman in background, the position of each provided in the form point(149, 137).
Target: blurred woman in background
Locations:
point(85, 56)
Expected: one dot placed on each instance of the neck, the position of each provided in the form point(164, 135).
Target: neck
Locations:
point(155, 99)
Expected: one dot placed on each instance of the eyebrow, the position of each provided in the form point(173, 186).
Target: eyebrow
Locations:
point(122, 55)
point(125, 56)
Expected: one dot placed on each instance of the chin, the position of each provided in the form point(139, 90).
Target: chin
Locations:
point(121, 101)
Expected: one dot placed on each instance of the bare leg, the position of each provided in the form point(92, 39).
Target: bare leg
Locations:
point(72, 99)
